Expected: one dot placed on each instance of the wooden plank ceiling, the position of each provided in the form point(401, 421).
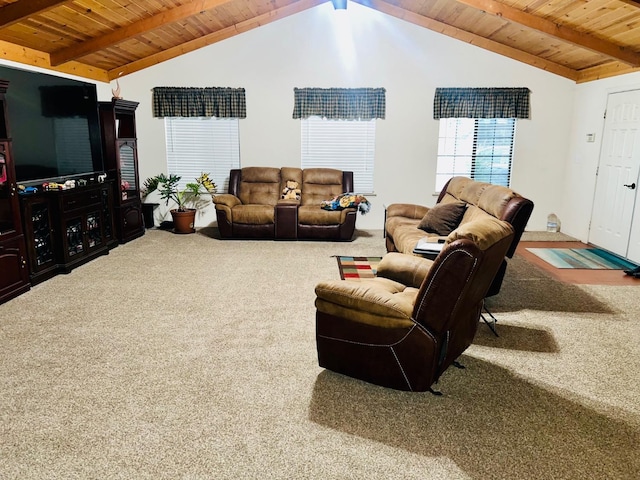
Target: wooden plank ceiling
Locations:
point(104, 39)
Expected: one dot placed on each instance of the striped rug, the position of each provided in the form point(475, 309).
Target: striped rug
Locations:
point(357, 268)
point(585, 258)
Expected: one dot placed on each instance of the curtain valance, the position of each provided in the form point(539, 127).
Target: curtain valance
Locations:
point(481, 103)
point(218, 102)
point(340, 103)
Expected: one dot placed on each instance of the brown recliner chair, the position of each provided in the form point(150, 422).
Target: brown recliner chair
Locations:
point(386, 333)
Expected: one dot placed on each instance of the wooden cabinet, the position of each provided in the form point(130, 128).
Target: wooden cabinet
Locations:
point(14, 280)
point(14, 277)
point(81, 225)
point(65, 229)
point(40, 235)
point(119, 145)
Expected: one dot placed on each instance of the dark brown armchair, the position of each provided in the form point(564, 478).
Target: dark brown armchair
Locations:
point(402, 337)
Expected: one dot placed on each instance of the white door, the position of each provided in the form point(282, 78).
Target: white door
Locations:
point(617, 182)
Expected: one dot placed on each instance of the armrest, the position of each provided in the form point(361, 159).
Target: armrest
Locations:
point(227, 200)
point(288, 201)
point(406, 269)
point(408, 210)
point(286, 219)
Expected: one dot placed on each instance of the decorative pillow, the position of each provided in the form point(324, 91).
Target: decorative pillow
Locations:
point(347, 200)
point(443, 218)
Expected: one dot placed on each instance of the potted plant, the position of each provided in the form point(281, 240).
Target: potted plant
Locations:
point(187, 199)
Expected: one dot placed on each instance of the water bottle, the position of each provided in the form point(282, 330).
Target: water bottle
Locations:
point(553, 223)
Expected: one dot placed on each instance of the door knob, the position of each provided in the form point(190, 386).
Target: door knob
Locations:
point(632, 186)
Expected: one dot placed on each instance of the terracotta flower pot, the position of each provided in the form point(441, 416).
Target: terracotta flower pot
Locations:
point(183, 222)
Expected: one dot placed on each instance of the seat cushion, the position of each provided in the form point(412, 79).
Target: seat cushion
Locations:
point(253, 214)
point(378, 301)
point(315, 215)
point(406, 236)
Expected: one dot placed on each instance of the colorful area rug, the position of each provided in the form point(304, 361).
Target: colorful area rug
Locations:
point(585, 258)
point(357, 268)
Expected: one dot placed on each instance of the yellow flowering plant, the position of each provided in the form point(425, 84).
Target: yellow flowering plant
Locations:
point(167, 186)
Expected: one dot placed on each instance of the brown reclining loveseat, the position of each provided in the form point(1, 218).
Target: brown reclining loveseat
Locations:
point(253, 207)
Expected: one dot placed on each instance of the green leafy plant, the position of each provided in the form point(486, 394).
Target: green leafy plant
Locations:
point(167, 187)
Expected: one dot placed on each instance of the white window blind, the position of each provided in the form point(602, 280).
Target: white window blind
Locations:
point(347, 145)
point(480, 148)
point(198, 144)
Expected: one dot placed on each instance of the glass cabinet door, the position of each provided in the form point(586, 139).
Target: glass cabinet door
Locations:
point(8, 199)
point(127, 159)
point(93, 230)
point(42, 238)
point(74, 234)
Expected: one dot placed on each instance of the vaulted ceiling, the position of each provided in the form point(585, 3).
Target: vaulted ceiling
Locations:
point(104, 39)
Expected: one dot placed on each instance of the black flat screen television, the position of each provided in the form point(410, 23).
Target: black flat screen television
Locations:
point(54, 125)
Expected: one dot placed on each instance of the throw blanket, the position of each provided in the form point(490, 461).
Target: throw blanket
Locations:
point(347, 200)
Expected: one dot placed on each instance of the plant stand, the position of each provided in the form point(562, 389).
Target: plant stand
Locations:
point(147, 214)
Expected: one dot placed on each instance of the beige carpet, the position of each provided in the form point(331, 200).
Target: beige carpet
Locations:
point(187, 357)
point(547, 237)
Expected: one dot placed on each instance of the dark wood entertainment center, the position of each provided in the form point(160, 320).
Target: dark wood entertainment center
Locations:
point(46, 233)
point(65, 229)
point(14, 273)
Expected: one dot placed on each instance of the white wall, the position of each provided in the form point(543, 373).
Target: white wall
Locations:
point(583, 159)
point(305, 50)
point(361, 47)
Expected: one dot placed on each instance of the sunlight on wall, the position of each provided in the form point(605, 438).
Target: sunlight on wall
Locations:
point(349, 27)
point(344, 23)
point(346, 27)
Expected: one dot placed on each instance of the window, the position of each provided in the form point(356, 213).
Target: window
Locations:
point(480, 148)
point(342, 144)
point(202, 144)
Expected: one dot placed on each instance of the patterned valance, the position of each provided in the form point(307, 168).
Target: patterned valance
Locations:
point(481, 103)
point(340, 103)
point(199, 102)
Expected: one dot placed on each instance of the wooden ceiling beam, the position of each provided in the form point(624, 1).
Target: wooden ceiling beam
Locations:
point(608, 70)
point(212, 38)
point(138, 28)
point(560, 32)
point(36, 58)
point(471, 38)
point(631, 2)
point(17, 11)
